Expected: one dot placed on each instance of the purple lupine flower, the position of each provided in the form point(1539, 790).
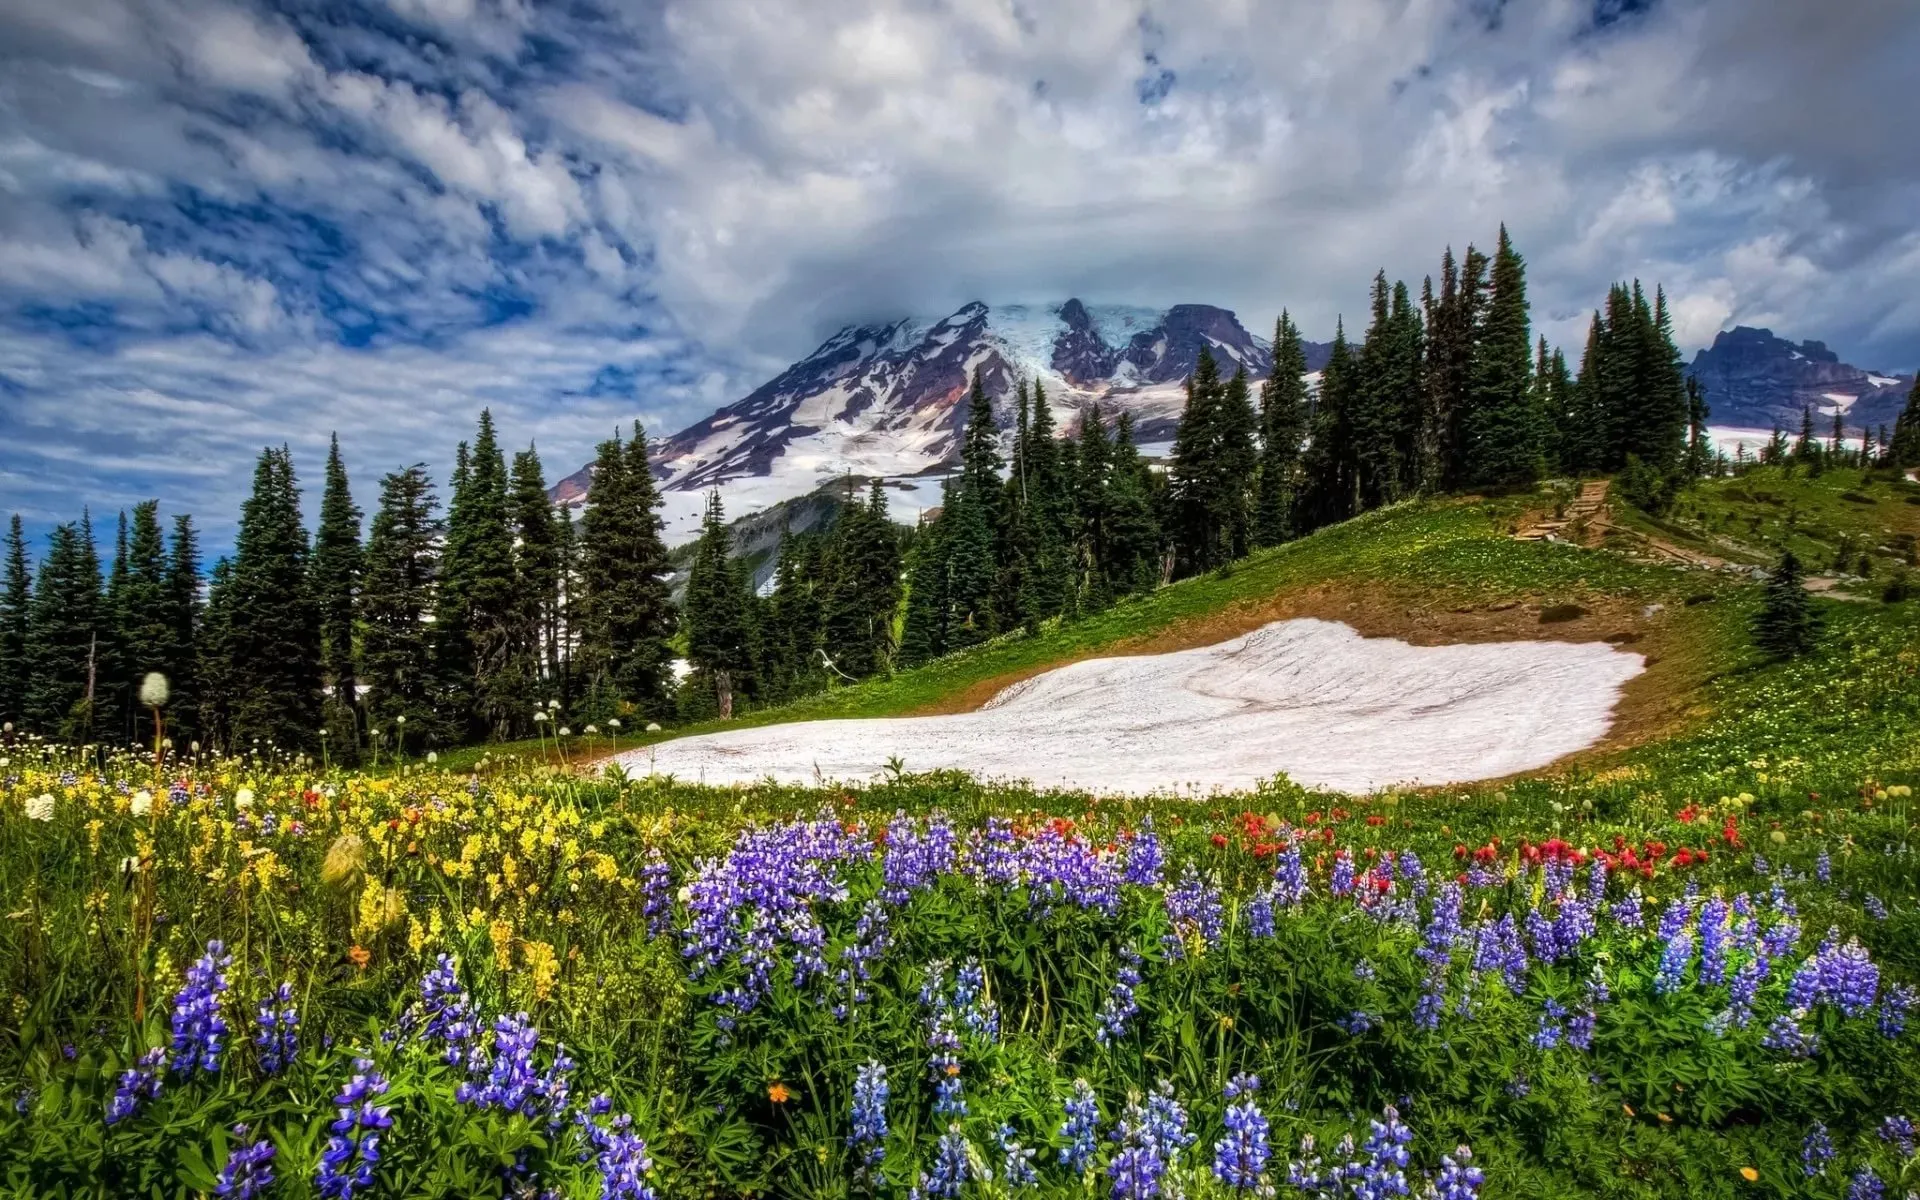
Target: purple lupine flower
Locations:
point(1894, 1003)
point(869, 1136)
point(1850, 978)
point(1865, 1185)
point(1384, 1173)
point(1745, 987)
point(1016, 1160)
point(1136, 1172)
point(1356, 1022)
point(197, 1024)
point(347, 1162)
point(870, 942)
point(1195, 909)
point(1876, 907)
point(1080, 1128)
point(1459, 1179)
point(1787, 1036)
point(1714, 915)
point(1897, 1131)
point(138, 1083)
point(1673, 919)
point(279, 1036)
point(1499, 948)
point(1166, 1122)
point(1290, 885)
point(1260, 913)
point(1628, 912)
point(1144, 858)
point(949, 1172)
point(248, 1170)
point(1340, 883)
point(916, 856)
point(1121, 1005)
point(1674, 957)
point(1549, 1032)
point(1816, 1151)
point(1823, 868)
point(656, 890)
point(619, 1154)
point(1240, 1158)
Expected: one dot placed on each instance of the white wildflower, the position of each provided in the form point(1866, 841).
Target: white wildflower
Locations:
point(40, 808)
point(142, 802)
point(153, 690)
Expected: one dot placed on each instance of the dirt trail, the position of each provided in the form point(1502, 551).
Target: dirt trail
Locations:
point(1590, 503)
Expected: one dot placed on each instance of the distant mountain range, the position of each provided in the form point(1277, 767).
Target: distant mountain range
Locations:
point(1755, 380)
point(888, 400)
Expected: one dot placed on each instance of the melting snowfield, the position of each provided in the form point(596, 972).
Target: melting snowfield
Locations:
point(1309, 698)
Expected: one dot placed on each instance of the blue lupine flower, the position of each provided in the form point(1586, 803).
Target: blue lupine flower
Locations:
point(279, 1036)
point(1894, 1003)
point(1459, 1179)
point(1816, 1151)
point(1876, 907)
point(1674, 957)
point(869, 1135)
point(1384, 1173)
point(347, 1162)
point(916, 855)
point(1897, 1131)
point(1290, 884)
point(445, 1013)
point(197, 1024)
point(249, 1169)
point(1364, 971)
point(1340, 883)
point(1823, 868)
point(1166, 1122)
point(1121, 1006)
point(949, 1172)
point(1259, 912)
point(1144, 857)
point(1136, 1172)
point(620, 1155)
point(1714, 915)
point(1549, 1032)
point(512, 1081)
point(1080, 1128)
point(1865, 1185)
point(1628, 912)
point(1240, 1158)
point(870, 942)
point(1787, 1036)
point(138, 1083)
point(1195, 910)
point(656, 890)
point(1016, 1161)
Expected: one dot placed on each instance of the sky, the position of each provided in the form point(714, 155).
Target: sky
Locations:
point(225, 225)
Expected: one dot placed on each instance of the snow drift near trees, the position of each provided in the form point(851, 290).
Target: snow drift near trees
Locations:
point(1309, 698)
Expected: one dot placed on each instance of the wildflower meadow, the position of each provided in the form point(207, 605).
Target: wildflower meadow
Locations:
point(263, 978)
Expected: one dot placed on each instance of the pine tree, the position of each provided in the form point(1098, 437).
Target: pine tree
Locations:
point(273, 626)
point(1283, 427)
point(113, 696)
point(924, 636)
point(1329, 464)
point(1050, 585)
point(1837, 448)
point(1806, 447)
point(146, 617)
point(537, 626)
point(1786, 625)
point(1904, 445)
point(969, 542)
point(1381, 398)
point(570, 612)
point(791, 641)
point(1091, 499)
point(718, 610)
point(399, 571)
point(215, 658)
point(1469, 317)
point(64, 632)
point(16, 606)
point(184, 619)
point(1504, 433)
point(336, 581)
point(478, 597)
point(1016, 549)
point(1212, 475)
point(626, 613)
point(861, 590)
point(1135, 556)
point(1700, 452)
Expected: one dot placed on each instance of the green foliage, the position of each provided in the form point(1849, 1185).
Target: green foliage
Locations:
point(336, 583)
point(271, 643)
point(1786, 625)
point(626, 616)
point(69, 620)
point(718, 613)
point(1503, 427)
point(16, 607)
point(1283, 427)
point(396, 599)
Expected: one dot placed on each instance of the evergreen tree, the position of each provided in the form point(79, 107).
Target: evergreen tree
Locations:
point(969, 543)
point(215, 658)
point(1050, 587)
point(1283, 427)
point(1837, 448)
point(1806, 447)
point(1700, 452)
point(980, 460)
point(537, 530)
point(1904, 446)
point(64, 632)
point(1386, 398)
point(113, 696)
point(718, 610)
point(16, 606)
point(336, 580)
point(1135, 546)
point(925, 635)
point(1092, 499)
point(1786, 625)
point(273, 626)
point(861, 587)
point(184, 621)
point(1212, 476)
point(399, 571)
point(791, 640)
point(1329, 464)
point(1504, 433)
point(570, 613)
point(478, 600)
point(146, 616)
point(626, 613)
point(1445, 396)
point(1016, 548)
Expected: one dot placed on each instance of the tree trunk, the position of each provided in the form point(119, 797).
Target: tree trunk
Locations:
point(723, 688)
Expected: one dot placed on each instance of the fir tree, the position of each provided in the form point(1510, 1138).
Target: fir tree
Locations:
point(336, 580)
point(718, 611)
point(478, 609)
point(1329, 464)
point(924, 636)
point(273, 626)
point(1806, 447)
point(1700, 452)
point(536, 556)
point(397, 583)
point(1786, 625)
point(1838, 446)
point(145, 614)
point(184, 618)
point(1092, 499)
point(1135, 559)
point(1904, 446)
point(16, 606)
point(1386, 396)
point(1504, 433)
point(64, 632)
point(1212, 475)
point(1283, 427)
point(861, 589)
point(626, 613)
point(1050, 583)
point(215, 658)
point(113, 694)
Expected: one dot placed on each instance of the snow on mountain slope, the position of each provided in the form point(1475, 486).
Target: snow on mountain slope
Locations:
point(889, 400)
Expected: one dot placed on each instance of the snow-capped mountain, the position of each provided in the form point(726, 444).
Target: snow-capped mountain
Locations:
point(1754, 380)
point(889, 400)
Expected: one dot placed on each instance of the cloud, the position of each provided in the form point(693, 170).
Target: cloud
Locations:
point(226, 224)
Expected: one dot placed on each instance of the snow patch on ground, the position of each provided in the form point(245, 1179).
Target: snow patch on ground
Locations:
point(1727, 439)
point(1881, 381)
point(1309, 698)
